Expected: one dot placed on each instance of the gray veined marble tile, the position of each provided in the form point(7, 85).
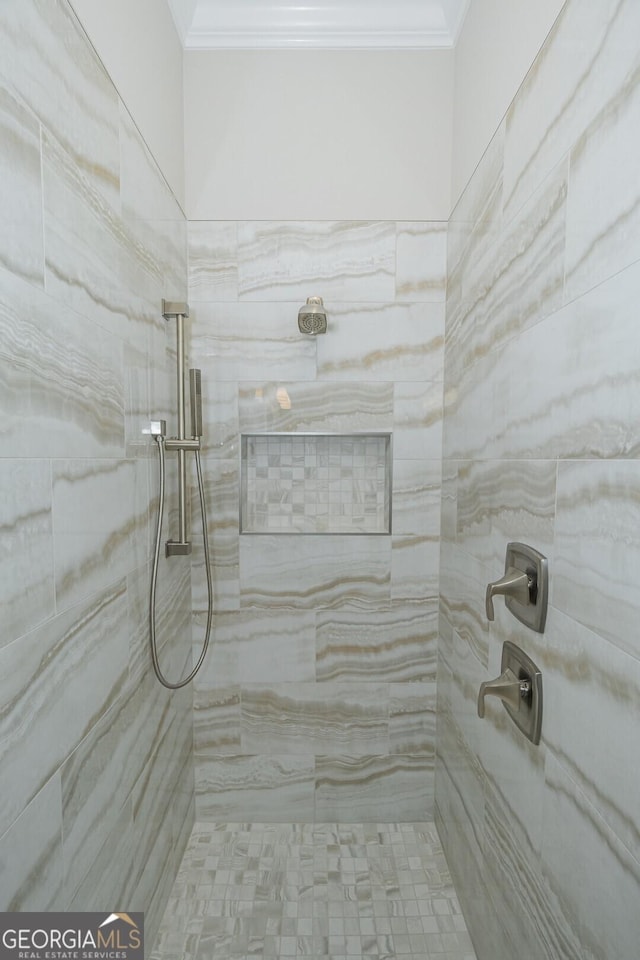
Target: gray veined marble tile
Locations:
point(255, 646)
point(49, 62)
point(213, 260)
point(412, 719)
point(564, 416)
point(100, 524)
point(421, 255)
point(382, 341)
point(601, 910)
point(31, 869)
point(499, 501)
point(61, 379)
point(26, 566)
point(597, 551)
point(586, 59)
point(309, 718)
point(593, 746)
point(108, 878)
point(93, 260)
point(56, 682)
point(251, 341)
point(307, 572)
point(414, 566)
point(216, 720)
point(221, 485)
point(219, 414)
point(256, 788)
point(416, 497)
point(315, 407)
point(21, 241)
point(392, 788)
point(417, 420)
point(341, 260)
point(603, 208)
point(398, 644)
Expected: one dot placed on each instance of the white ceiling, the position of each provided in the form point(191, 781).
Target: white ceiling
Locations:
point(318, 24)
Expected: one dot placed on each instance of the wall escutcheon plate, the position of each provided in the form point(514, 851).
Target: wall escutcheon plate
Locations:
point(528, 716)
point(521, 556)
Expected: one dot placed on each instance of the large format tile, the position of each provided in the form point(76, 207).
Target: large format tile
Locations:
point(421, 255)
point(61, 387)
point(21, 246)
point(342, 260)
point(26, 566)
point(315, 407)
point(379, 788)
point(213, 260)
point(57, 682)
point(268, 788)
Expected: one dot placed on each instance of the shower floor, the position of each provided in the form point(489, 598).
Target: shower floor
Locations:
point(321, 890)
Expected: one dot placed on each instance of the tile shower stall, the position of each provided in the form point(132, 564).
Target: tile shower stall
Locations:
point(486, 371)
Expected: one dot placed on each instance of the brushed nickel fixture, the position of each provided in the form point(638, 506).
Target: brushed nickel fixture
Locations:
point(519, 686)
point(525, 586)
point(312, 318)
point(182, 445)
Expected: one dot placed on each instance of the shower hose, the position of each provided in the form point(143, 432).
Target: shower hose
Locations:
point(154, 575)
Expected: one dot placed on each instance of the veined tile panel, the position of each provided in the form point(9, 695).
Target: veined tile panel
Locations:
point(292, 571)
point(398, 644)
point(315, 407)
point(313, 719)
point(597, 554)
point(580, 74)
point(26, 566)
point(417, 420)
point(31, 868)
point(59, 76)
point(421, 261)
point(213, 260)
point(61, 379)
point(371, 788)
point(382, 341)
point(416, 497)
point(21, 243)
point(57, 682)
point(277, 789)
point(343, 260)
point(100, 517)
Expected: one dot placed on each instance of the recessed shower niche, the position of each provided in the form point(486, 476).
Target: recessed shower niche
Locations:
point(316, 483)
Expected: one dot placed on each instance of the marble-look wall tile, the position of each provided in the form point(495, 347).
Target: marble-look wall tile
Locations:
point(398, 644)
point(249, 341)
point(268, 789)
point(61, 383)
point(578, 75)
point(328, 718)
point(345, 260)
point(60, 78)
point(263, 646)
point(213, 260)
point(416, 497)
point(597, 555)
point(219, 414)
point(31, 869)
point(414, 566)
point(26, 566)
point(217, 729)
point(356, 789)
point(417, 420)
point(382, 341)
point(57, 681)
point(421, 260)
point(108, 878)
point(412, 719)
point(21, 244)
point(99, 524)
point(601, 910)
point(315, 407)
point(221, 480)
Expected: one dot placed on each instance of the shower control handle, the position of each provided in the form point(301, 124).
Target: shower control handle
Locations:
point(515, 583)
point(507, 687)
point(195, 387)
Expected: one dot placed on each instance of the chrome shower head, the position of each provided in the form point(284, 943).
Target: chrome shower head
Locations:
point(312, 318)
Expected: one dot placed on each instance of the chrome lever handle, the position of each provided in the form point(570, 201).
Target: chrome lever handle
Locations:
point(515, 583)
point(507, 687)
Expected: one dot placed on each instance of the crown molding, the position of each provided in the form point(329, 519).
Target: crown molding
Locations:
point(318, 24)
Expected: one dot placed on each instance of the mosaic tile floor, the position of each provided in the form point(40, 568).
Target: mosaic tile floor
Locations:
point(323, 890)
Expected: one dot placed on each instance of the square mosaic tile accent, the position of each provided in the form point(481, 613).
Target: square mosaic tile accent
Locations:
point(321, 890)
point(316, 483)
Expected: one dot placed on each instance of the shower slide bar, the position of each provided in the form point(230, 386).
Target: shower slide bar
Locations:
point(182, 445)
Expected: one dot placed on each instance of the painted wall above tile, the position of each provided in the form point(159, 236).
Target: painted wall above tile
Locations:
point(323, 24)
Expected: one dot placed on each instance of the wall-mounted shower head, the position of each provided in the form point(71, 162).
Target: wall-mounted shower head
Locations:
point(312, 318)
